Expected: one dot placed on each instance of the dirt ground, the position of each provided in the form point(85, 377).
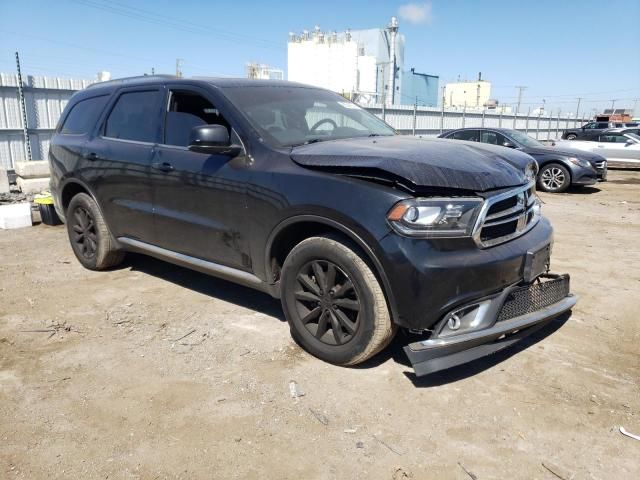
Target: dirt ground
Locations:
point(154, 371)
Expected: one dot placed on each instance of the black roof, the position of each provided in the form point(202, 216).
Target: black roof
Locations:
point(218, 82)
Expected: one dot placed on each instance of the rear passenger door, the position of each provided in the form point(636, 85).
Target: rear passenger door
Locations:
point(199, 198)
point(121, 155)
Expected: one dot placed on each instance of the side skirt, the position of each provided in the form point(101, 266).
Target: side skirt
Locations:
point(221, 271)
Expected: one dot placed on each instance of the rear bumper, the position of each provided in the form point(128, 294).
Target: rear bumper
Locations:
point(442, 351)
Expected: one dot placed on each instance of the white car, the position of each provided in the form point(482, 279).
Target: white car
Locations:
point(615, 145)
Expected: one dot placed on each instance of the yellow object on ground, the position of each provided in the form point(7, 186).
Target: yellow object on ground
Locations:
point(43, 199)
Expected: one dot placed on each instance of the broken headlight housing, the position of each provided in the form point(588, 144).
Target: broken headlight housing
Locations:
point(435, 217)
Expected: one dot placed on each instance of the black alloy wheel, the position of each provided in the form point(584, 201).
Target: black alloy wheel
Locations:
point(92, 243)
point(327, 302)
point(84, 232)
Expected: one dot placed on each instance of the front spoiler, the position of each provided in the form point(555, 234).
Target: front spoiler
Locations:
point(433, 355)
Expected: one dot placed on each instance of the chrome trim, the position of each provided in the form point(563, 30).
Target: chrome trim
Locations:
point(501, 328)
point(489, 202)
point(204, 266)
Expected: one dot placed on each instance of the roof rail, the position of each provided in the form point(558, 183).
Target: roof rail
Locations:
point(117, 81)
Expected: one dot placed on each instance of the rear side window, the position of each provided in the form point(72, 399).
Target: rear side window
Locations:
point(493, 138)
point(83, 115)
point(134, 117)
point(469, 135)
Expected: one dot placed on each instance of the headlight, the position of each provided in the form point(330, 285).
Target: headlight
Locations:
point(531, 172)
point(580, 161)
point(435, 217)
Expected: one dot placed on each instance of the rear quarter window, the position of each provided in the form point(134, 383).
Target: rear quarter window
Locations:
point(83, 115)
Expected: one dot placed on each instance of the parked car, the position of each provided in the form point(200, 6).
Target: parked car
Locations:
point(590, 129)
point(586, 129)
point(619, 146)
point(299, 193)
point(557, 168)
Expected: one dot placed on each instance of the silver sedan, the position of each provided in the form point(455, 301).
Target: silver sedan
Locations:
point(617, 147)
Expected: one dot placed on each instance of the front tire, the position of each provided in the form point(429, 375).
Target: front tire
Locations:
point(333, 302)
point(89, 236)
point(554, 178)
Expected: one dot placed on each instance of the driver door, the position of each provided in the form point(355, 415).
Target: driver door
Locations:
point(199, 199)
point(616, 147)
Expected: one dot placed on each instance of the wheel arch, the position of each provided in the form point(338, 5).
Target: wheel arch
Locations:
point(70, 189)
point(293, 230)
point(558, 161)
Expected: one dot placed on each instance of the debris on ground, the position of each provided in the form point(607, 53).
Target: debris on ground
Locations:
point(559, 472)
point(320, 417)
point(472, 475)
point(359, 444)
point(295, 390)
point(395, 450)
point(628, 434)
point(401, 473)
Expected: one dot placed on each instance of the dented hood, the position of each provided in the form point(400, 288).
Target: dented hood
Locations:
point(422, 162)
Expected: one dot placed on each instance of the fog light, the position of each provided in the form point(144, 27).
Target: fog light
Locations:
point(466, 319)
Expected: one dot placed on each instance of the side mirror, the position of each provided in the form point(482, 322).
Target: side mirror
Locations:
point(508, 145)
point(212, 139)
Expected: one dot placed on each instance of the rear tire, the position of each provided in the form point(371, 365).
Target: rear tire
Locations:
point(554, 178)
point(89, 236)
point(333, 302)
point(571, 136)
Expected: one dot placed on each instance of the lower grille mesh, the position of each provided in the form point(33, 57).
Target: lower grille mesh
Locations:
point(534, 297)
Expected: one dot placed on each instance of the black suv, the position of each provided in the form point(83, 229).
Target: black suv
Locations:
point(591, 129)
point(297, 192)
point(558, 167)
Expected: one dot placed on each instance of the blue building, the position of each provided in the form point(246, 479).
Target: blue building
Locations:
point(420, 88)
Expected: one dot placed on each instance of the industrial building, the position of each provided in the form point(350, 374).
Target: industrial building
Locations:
point(468, 94)
point(260, 71)
point(364, 65)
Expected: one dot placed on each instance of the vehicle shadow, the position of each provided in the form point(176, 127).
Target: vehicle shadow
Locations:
point(206, 284)
point(395, 352)
point(588, 190)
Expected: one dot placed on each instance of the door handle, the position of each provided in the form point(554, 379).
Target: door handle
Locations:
point(92, 156)
point(163, 166)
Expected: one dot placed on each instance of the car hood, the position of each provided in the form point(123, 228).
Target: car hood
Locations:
point(435, 163)
point(564, 151)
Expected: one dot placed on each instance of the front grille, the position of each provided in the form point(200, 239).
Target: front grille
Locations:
point(534, 297)
point(601, 165)
point(507, 216)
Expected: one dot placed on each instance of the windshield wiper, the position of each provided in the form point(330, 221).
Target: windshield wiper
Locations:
point(308, 142)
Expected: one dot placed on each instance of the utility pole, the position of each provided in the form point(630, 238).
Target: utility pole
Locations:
point(613, 102)
point(578, 107)
point(393, 31)
point(23, 107)
point(179, 67)
point(521, 88)
point(442, 114)
point(153, 71)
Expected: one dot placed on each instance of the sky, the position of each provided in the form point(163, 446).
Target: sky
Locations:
point(560, 50)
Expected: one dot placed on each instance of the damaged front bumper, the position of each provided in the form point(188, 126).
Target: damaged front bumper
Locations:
point(490, 324)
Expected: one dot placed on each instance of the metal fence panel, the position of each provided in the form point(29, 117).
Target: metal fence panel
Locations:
point(46, 97)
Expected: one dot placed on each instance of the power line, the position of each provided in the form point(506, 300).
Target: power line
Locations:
point(148, 16)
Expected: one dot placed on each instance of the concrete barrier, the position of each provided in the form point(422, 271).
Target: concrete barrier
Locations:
point(35, 169)
point(33, 185)
point(4, 181)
